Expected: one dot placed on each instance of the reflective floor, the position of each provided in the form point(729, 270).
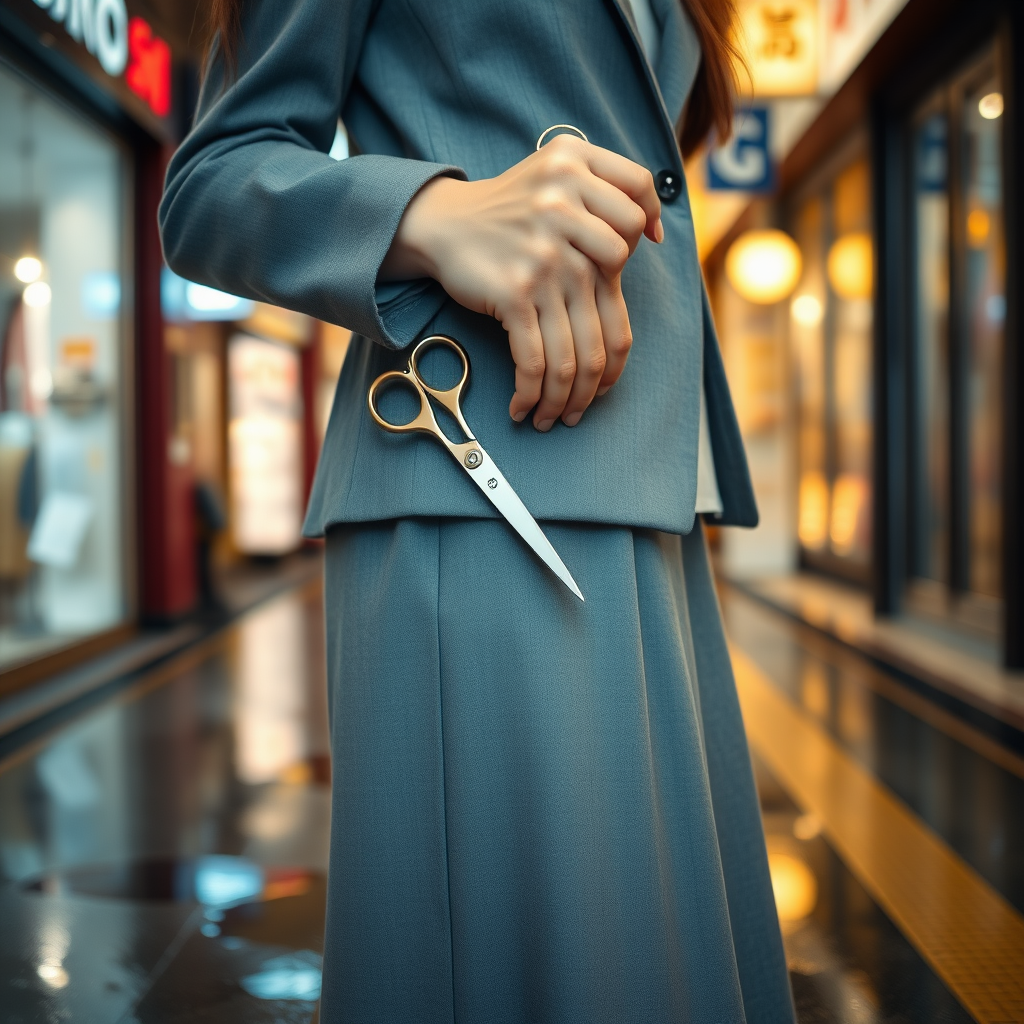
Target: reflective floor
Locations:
point(164, 853)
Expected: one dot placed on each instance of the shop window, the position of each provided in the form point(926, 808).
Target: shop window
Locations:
point(831, 336)
point(958, 271)
point(62, 284)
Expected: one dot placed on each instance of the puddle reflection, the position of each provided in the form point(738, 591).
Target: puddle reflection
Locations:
point(286, 977)
point(272, 696)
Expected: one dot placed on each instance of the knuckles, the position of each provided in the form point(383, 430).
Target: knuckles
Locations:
point(533, 367)
point(620, 250)
point(565, 372)
point(620, 345)
point(596, 362)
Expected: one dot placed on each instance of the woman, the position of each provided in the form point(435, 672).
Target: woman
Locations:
point(543, 810)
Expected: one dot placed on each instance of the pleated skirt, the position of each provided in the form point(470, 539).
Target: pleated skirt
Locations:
point(543, 811)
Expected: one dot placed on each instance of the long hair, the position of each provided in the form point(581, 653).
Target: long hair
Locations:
point(710, 104)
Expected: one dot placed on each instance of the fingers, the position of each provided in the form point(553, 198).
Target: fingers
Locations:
point(636, 181)
point(527, 347)
point(615, 209)
point(615, 330)
point(560, 362)
point(599, 242)
point(571, 348)
point(588, 343)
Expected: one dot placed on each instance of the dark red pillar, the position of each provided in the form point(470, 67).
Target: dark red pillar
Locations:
point(166, 517)
point(311, 366)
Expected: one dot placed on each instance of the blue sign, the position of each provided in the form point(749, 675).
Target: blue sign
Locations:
point(744, 163)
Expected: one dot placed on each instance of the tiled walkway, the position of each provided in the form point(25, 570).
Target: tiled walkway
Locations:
point(164, 853)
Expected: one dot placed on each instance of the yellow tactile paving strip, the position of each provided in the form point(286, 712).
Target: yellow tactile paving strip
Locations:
point(972, 938)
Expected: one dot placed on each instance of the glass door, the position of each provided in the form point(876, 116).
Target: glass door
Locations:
point(62, 340)
point(958, 269)
point(831, 335)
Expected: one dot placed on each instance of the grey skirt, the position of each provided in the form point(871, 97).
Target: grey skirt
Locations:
point(543, 811)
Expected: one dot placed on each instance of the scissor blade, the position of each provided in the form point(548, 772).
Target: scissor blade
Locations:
point(499, 492)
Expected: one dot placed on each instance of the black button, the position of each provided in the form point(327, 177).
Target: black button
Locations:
point(668, 184)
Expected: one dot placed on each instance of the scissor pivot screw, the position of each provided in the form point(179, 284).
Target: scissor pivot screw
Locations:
point(473, 459)
point(492, 483)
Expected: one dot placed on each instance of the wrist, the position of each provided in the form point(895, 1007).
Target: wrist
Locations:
point(417, 243)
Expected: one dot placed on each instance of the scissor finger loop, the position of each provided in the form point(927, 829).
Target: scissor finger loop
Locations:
point(450, 398)
point(423, 422)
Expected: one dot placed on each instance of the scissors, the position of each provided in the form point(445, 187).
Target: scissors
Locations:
point(469, 454)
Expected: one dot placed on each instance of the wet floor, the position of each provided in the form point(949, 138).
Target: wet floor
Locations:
point(163, 854)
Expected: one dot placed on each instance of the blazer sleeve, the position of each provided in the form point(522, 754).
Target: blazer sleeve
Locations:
point(253, 205)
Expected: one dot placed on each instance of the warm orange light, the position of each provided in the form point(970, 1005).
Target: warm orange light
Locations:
point(990, 106)
point(848, 500)
point(978, 226)
point(812, 527)
point(807, 827)
point(764, 266)
point(851, 266)
point(794, 886)
point(807, 310)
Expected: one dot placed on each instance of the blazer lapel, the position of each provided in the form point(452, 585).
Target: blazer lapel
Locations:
point(679, 57)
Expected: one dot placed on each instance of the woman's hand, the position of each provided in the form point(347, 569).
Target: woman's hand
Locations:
point(541, 248)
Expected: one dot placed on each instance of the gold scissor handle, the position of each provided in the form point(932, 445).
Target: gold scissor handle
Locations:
point(425, 421)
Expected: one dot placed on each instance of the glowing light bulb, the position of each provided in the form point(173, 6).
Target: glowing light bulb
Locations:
point(794, 886)
point(990, 106)
point(28, 269)
point(807, 311)
point(37, 294)
point(764, 266)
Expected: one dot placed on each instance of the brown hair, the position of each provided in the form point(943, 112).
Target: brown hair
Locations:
point(710, 104)
point(709, 107)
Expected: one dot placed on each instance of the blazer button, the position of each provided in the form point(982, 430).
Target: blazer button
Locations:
point(668, 185)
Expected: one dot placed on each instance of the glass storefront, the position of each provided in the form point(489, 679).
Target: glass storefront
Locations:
point(831, 336)
point(959, 308)
point(63, 526)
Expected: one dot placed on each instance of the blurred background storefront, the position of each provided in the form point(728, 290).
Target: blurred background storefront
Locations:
point(154, 434)
point(859, 235)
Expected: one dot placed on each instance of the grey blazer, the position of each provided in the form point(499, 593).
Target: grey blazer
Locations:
point(253, 205)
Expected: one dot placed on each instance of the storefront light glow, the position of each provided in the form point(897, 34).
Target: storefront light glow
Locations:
point(209, 300)
point(221, 881)
point(28, 269)
point(851, 266)
point(101, 293)
point(186, 300)
point(807, 310)
point(37, 294)
point(794, 886)
point(764, 266)
point(978, 226)
point(990, 106)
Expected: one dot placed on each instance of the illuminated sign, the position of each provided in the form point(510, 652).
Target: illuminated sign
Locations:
point(122, 45)
point(849, 30)
point(779, 40)
point(149, 73)
point(744, 163)
point(101, 25)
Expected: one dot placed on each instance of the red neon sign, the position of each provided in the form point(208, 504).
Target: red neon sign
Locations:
point(149, 67)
